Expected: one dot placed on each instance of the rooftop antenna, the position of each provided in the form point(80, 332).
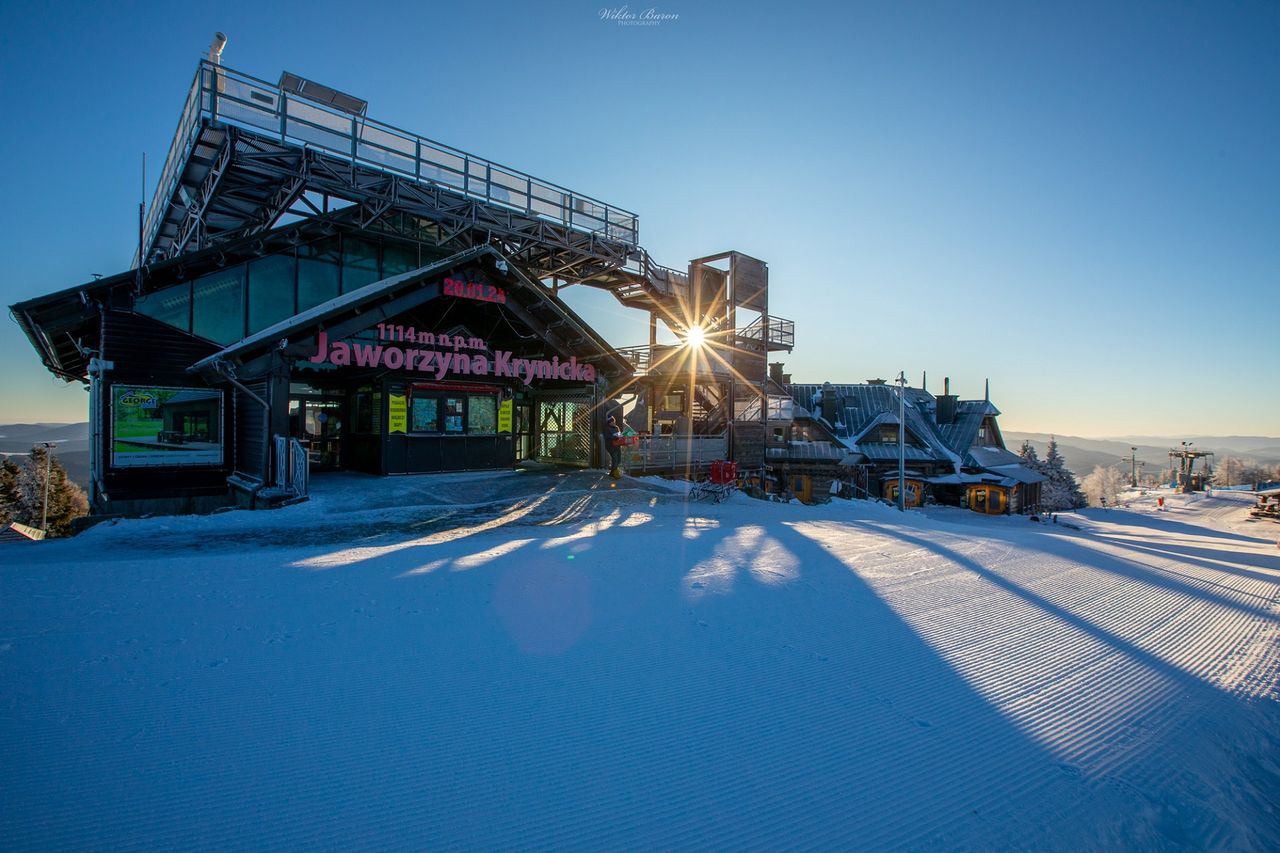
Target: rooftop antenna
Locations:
point(142, 227)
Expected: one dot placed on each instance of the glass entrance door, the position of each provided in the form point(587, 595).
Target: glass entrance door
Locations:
point(318, 423)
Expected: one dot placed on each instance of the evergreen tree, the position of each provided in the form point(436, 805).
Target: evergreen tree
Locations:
point(9, 474)
point(1029, 457)
point(1060, 490)
point(22, 490)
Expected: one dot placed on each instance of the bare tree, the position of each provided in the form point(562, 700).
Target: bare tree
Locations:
point(1228, 471)
point(1102, 486)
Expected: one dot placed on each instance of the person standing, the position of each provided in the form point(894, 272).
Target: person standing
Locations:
point(613, 441)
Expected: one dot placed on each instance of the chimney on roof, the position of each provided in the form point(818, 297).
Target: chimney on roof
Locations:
point(775, 373)
point(215, 48)
point(946, 413)
point(924, 380)
point(830, 406)
point(875, 381)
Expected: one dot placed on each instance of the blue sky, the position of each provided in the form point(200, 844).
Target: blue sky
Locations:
point(1080, 202)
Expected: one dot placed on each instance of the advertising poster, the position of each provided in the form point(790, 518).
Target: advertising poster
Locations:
point(504, 416)
point(397, 414)
point(165, 426)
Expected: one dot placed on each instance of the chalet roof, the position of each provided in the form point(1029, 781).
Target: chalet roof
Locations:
point(1021, 473)
point(969, 414)
point(991, 457)
point(889, 452)
point(862, 407)
point(815, 451)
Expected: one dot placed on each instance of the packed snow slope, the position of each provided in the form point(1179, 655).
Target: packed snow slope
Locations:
point(551, 661)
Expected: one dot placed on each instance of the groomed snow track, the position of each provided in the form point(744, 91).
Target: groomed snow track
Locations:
point(552, 662)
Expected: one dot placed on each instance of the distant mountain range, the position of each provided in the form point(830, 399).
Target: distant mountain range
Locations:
point(72, 440)
point(1083, 454)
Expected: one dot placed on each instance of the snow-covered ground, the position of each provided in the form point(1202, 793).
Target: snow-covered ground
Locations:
point(542, 661)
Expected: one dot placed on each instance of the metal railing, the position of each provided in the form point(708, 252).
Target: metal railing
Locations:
point(639, 357)
point(780, 332)
point(674, 452)
point(221, 94)
point(293, 471)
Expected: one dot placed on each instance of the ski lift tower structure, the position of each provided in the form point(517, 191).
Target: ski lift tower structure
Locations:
point(1189, 480)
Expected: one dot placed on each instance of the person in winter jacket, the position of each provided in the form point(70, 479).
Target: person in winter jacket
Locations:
point(613, 440)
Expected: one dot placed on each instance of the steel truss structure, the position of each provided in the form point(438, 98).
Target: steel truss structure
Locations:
point(248, 155)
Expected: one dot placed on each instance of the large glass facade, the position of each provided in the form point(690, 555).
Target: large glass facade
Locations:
point(171, 305)
point(226, 305)
point(270, 291)
point(319, 271)
point(359, 263)
point(218, 305)
point(398, 259)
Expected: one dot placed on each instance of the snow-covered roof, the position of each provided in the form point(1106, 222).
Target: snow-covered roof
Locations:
point(1021, 473)
point(990, 457)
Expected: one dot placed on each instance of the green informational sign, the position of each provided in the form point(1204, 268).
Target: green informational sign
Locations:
point(397, 414)
point(154, 427)
point(504, 416)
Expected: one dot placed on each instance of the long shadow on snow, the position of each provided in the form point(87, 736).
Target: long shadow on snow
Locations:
point(540, 701)
point(1112, 565)
point(1134, 569)
point(1209, 558)
point(678, 720)
point(1159, 523)
point(1069, 545)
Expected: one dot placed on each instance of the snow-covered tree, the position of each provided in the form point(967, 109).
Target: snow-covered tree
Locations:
point(1253, 473)
point(1227, 472)
point(1060, 489)
point(1030, 458)
point(22, 491)
point(9, 474)
point(1103, 483)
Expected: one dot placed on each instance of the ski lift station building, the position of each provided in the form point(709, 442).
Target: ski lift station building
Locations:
point(315, 289)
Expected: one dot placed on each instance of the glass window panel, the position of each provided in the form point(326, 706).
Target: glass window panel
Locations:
point(425, 414)
point(454, 409)
point(359, 263)
point(482, 414)
point(318, 268)
point(397, 259)
point(270, 291)
point(171, 305)
point(363, 412)
point(218, 303)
